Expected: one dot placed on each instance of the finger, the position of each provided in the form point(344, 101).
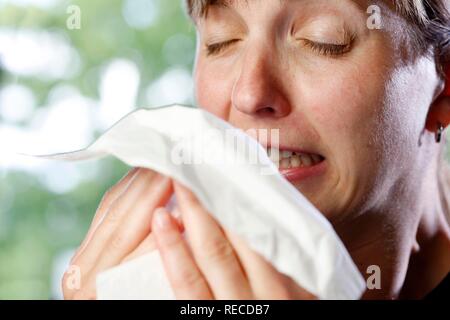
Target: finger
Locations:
point(83, 265)
point(125, 226)
point(146, 246)
point(113, 193)
point(136, 226)
point(149, 244)
point(115, 215)
point(176, 213)
point(266, 282)
point(105, 203)
point(213, 252)
point(184, 276)
point(86, 259)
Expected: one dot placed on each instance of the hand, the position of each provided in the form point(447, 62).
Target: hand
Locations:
point(214, 263)
point(120, 230)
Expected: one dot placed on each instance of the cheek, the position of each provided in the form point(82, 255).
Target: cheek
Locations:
point(409, 94)
point(212, 89)
point(345, 110)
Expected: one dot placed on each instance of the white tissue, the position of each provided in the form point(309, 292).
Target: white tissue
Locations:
point(138, 279)
point(265, 209)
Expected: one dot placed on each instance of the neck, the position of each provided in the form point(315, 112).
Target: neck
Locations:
point(408, 238)
point(430, 257)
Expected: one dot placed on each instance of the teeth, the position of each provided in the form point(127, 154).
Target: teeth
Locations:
point(288, 159)
point(286, 154)
point(285, 163)
point(306, 160)
point(296, 161)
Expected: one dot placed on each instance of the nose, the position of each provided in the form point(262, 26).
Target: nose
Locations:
point(258, 90)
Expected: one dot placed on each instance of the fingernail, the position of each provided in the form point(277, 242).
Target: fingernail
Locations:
point(162, 219)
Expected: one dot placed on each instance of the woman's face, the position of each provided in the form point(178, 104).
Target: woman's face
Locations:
point(351, 101)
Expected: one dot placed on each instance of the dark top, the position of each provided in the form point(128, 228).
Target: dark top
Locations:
point(441, 292)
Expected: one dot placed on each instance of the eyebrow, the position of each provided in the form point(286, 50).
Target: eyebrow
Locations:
point(229, 3)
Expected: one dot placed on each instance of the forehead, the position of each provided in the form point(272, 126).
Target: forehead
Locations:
point(199, 8)
point(230, 3)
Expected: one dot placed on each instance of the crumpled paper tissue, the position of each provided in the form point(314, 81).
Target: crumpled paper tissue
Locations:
point(249, 198)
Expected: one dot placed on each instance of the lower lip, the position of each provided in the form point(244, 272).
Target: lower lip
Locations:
point(302, 173)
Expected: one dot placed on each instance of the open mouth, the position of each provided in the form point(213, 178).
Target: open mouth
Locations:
point(296, 165)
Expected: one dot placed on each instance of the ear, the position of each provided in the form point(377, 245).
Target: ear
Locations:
point(439, 112)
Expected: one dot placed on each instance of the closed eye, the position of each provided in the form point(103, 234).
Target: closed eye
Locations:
point(216, 48)
point(327, 49)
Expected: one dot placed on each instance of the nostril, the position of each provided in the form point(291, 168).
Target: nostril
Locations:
point(267, 111)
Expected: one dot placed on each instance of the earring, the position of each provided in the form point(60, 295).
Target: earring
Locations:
point(440, 130)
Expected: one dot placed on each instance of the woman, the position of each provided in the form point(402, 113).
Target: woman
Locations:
point(361, 103)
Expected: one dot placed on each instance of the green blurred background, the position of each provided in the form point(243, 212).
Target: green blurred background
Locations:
point(61, 86)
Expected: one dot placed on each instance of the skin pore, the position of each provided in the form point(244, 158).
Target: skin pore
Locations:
point(358, 97)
